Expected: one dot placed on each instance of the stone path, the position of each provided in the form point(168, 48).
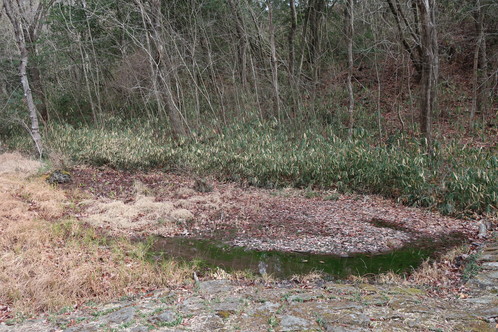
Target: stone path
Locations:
point(222, 305)
point(487, 279)
point(485, 284)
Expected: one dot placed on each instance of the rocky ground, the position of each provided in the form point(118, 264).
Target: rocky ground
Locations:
point(222, 305)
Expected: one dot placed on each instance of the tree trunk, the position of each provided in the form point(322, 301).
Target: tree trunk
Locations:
point(429, 67)
point(316, 11)
point(243, 43)
point(479, 100)
point(292, 36)
point(33, 115)
point(34, 75)
point(162, 67)
point(17, 21)
point(475, 82)
point(273, 63)
point(413, 47)
point(349, 35)
point(435, 53)
point(292, 56)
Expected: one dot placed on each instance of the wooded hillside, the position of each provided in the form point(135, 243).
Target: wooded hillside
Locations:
point(131, 77)
point(211, 62)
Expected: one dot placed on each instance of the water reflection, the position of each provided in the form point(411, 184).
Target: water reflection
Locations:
point(285, 265)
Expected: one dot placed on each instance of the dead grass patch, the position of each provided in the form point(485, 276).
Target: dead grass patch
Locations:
point(48, 202)
point(16, 163)
point(132, 218)
point(13, 209)
point(147, 214)
point(45, 266)
point(440, 273)
point(46, 263)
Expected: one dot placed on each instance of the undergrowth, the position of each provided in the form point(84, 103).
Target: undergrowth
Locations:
point(471, 268)
point(48, 262)
point(456, 179)
point(50, 266)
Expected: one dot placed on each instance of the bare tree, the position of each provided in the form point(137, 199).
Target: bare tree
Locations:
point(273, 61)
point(26, 19)
point(409, 32)
point(162, 67)
point(429, 66)
point(479, 99)
point(243, 42)
point(292, 55)
point(349, 35)
point(291, 36)
point(315, 14)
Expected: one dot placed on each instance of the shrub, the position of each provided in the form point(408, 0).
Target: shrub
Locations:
point(458, 180)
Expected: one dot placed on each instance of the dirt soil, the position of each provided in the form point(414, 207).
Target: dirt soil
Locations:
point(141, 204)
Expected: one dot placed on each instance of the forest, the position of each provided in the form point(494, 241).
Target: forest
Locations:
point(196, 161)
point(390, 97)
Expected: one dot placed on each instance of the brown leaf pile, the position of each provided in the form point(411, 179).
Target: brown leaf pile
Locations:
point(273, 219)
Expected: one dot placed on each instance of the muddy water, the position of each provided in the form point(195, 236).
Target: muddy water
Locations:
point(284, 265)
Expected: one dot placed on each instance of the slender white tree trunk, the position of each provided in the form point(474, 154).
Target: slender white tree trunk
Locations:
point(33, 113)
point(15, 11)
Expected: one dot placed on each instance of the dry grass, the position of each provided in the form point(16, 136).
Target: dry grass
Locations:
point(48, 266)
point(307, 278)
point(45, 200)
point(438, 273)
point(143, 214)
point(220, 274)
point(59, 160)
point(47, 263)
point(16, 163)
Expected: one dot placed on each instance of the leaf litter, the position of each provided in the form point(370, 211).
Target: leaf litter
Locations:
point(166, 204)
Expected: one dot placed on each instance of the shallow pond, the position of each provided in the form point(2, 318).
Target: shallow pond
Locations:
point(284, 265)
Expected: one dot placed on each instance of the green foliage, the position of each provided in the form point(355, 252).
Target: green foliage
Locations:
point(11, 114)
point(471, 268)
point(120, 147)
point(458, 180)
